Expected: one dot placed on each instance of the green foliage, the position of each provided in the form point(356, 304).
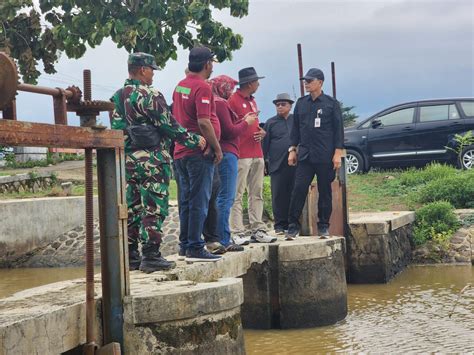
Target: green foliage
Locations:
point(51, 159)
point(458, 189)
point(31, 34)
point(433, 171)
point(349, 118)
point(462, 141)
point(436, 221)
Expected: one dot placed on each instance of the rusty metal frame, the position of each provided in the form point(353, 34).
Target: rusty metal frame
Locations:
point(109, 145)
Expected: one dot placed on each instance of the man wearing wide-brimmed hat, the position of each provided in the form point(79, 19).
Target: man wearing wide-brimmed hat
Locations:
point(250, 165)
point(275, 150)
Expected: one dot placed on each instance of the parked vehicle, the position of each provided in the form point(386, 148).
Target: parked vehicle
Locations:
point(412, 134)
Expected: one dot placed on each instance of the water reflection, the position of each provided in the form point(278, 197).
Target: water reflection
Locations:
point(410, 314)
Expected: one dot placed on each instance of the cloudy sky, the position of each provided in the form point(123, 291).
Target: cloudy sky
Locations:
point(385, 51)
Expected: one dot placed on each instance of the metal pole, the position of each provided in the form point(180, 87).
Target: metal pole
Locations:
point(44, 90)
point(300, 66)
point(113, 241)
point(90, 306)
point(342, 170)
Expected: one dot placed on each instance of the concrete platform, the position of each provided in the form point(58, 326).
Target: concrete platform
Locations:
point(279, 285)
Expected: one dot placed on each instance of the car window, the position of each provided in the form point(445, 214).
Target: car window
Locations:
point(438, 113)
point(366, 124)
point(468, 108)
point(398, 117)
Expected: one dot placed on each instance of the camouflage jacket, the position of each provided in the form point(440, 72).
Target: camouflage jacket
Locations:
point(139, 104)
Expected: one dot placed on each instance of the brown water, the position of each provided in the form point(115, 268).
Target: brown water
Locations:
point(14, 280)
point(408, 315)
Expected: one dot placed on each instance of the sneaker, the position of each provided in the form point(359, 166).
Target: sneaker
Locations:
point(134, 258)
point(215, 248)
point(323, 232)
point(261, 236)
point(201, 255)
point(153, 261)
point(279, 231)
point(181, 254)
point(292, 233)
point(234, 247)
point(241, 240)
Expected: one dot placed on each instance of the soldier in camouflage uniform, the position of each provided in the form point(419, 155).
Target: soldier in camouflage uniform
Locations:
point(147, 170)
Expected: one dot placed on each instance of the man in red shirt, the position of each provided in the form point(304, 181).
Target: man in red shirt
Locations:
point(194, 108)
point(250, 165)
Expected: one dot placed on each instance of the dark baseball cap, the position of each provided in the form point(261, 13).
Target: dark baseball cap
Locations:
point(313, 73)
point(201, 55)
point(143, 60)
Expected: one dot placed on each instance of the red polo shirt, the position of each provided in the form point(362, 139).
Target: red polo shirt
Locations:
point(193, 100)
point(241, 105)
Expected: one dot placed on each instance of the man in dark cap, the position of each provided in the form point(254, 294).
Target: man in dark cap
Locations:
point(275, 149)
point(141, 111)
point(316, 143)
point(250, 165)
point(194, 108)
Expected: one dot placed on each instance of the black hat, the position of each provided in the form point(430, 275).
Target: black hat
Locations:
point(200, 55)
point(283, 97)
point(313, 73)
point(247, 75)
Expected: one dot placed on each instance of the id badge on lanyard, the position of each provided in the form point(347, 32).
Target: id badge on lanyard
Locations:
point(317, 119)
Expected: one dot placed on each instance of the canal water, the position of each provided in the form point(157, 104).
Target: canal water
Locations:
point(411, 314)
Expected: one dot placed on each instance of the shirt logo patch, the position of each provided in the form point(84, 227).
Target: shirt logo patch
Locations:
point(244, 105)
point(205, 100)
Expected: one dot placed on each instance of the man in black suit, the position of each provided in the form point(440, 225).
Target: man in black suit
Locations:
point(316, 141)
point(275, 149)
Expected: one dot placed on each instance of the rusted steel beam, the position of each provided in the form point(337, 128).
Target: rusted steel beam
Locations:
point(15, 133)
point(44, 90)
point(300, 69)
point(60, 109)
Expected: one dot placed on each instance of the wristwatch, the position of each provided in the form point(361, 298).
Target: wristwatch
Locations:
point(292, 149)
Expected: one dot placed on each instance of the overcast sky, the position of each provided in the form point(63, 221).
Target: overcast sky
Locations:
point(386, 52)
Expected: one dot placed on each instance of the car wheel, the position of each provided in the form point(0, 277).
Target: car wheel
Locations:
point(354, 162)
point(466, 159)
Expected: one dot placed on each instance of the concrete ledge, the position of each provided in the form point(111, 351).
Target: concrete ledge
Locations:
point(175, 300)
point(379, 246)
point(309, 248)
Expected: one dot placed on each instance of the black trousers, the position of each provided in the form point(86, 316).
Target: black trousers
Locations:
point(282, 182)
point(210, 224)
point(305, 172)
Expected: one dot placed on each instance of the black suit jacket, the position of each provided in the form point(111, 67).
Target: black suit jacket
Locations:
point(276, 142)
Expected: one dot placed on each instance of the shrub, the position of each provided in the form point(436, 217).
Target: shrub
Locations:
point(457, 189)
point(431, 172)
point(435, 221)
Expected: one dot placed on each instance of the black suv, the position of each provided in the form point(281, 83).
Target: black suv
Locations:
point(411, 134)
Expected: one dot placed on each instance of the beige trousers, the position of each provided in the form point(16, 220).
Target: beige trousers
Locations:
point(250, 178)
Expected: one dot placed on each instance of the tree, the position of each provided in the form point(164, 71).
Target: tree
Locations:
point(40, 30)
point(349, 118)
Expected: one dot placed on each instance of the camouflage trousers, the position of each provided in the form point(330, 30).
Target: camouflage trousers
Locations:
point(147, 196)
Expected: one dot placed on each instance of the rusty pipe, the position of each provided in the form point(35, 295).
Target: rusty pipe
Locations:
point(45, 90)
point(300, 67)
point(90, 307)
point(333, 75)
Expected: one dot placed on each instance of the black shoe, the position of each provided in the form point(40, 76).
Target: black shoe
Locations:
point(181, 253)
point(201, 255)
point(134, 258)
point(279, 231)
point(323, 232)
point(234, 247)
point(153, 261)
point(215, 248)
point(292, 233)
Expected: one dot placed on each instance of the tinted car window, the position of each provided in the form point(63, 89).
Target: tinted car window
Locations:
point(468, 108)
point(438, 113)
point(398, 117)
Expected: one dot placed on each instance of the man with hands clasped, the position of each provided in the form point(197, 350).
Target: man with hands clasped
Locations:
point(316, 146)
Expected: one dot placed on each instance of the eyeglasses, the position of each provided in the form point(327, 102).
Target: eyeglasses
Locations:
point(278, 104)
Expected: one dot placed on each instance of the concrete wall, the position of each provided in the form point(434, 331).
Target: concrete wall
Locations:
point(24, 225)
point(379, 246)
